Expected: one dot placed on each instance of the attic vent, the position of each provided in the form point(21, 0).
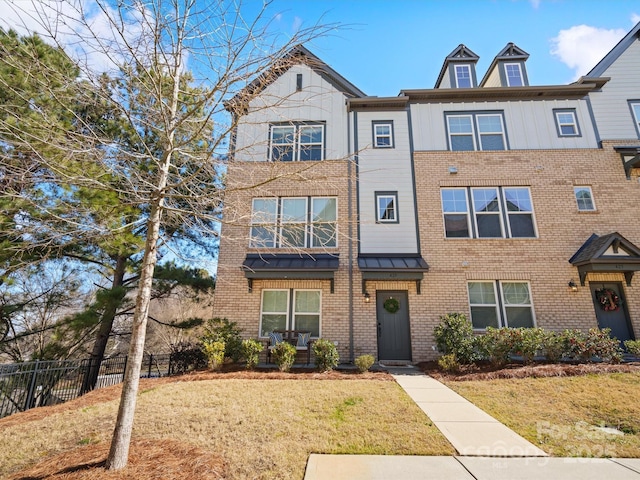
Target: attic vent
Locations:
point(298, 82)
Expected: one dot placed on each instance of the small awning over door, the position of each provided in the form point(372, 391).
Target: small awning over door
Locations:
point(611, 253)
point(290, 266)
point(392, 268)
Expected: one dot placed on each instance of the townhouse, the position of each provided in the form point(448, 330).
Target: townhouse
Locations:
point(364, 219)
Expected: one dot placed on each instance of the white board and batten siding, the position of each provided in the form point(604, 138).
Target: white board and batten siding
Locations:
point(385, 170)
point(528, 124)
point(318, 101)
point(611, 105)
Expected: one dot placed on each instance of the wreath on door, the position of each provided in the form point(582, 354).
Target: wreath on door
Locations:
point(608, 299)
point(391, 305)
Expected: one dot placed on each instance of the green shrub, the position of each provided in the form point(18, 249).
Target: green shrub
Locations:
point(214, 350)
point(601, 345)
point(496, 345)
point(527, 342)
point(449, 363)
point(454, 335)
point(185, 357)
point(250, 351)
point(633, 346)
point(553, 346)
point(222, 330)
point(364, 362)
point(326, 355)
point(284, 354)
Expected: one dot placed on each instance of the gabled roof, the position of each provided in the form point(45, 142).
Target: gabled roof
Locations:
point(297, 55)
point(460, 54)
point(510, 52)
point(607, 253)
point(615, 52)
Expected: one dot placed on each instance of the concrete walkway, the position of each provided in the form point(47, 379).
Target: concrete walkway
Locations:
point(486, 448)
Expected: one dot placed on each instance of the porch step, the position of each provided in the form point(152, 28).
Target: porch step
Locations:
point(395, 363)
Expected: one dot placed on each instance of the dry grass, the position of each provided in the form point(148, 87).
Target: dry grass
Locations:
point(560, 413)
point(258, 428)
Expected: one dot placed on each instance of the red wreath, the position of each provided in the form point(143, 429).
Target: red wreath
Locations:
point(608, 299)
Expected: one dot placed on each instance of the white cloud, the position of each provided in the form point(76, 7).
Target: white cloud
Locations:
point(85, 31)
point(581, 47)
point(635, 18)
point(535, 3)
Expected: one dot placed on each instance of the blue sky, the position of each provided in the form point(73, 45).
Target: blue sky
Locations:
point(386, 46)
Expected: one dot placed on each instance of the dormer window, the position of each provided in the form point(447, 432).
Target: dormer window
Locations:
point(513, 72)
point(463, 76)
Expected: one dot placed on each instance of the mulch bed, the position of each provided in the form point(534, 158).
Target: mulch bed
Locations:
point(489, 372)
point(148, 460)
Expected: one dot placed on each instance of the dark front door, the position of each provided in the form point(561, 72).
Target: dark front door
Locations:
point(609, 312)
point(394, 338)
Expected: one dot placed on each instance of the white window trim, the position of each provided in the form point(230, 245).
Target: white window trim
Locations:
point(290, 312)
point(508, 213)
point(262, 312)
point(376, 136)
point(574, 123)
point(461, 67)
point(394, 197)
point(456, 134)
point(467, 213)
point(575, 196)
point(296, 146)
point(498, 294)
point(278, 224)
point(501, 132)
point(498, 213)
point(503, 215)
point(292, 320)
point(506, 75)
point(636, 115)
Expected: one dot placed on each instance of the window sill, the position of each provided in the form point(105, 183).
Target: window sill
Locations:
point(588, 212)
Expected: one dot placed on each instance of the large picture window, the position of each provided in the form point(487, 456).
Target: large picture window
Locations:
point(500, 304)
point(296, 142)
point(290, 310)
point(497, 212)
point(476, 131)
point(294, 222)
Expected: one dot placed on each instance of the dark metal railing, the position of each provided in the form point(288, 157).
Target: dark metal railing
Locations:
point(41, 383)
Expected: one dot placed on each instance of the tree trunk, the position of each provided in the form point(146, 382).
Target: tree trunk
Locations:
point(104, 330)
point(119, 452)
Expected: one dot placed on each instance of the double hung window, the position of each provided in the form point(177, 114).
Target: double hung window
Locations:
point(566, 123)
point(493, 212)
point(290, 310)
point(500, 304)
point(463, 76)
point(294, 222)
point(513, 73)
point(635, 110)
point(386, 207)
point(383, 134)
point(476, 131)
point(292, 142)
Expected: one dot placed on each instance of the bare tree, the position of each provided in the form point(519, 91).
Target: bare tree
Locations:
point(172, 65)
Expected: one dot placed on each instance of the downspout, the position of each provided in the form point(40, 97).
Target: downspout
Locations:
point(350, 217)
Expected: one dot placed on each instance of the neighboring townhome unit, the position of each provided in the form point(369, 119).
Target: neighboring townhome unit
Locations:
point(364, 219)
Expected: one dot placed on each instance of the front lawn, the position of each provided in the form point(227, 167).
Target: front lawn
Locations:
point(248, 427)
point(593, 415)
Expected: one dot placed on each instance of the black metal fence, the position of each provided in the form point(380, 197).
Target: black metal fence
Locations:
point(40, 383)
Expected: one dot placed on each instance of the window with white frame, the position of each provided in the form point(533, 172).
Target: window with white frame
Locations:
point(476, 131)
point(296, 142)
point(497, 212)
point(294, 222)
point(463, 76)
point(455, 208)
point(500, 303)
point(513, 73)
point(584, 199)
point(386, 207)
point(635, 110)
point(566, 123)
point(290, 309)
point(383, 134)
